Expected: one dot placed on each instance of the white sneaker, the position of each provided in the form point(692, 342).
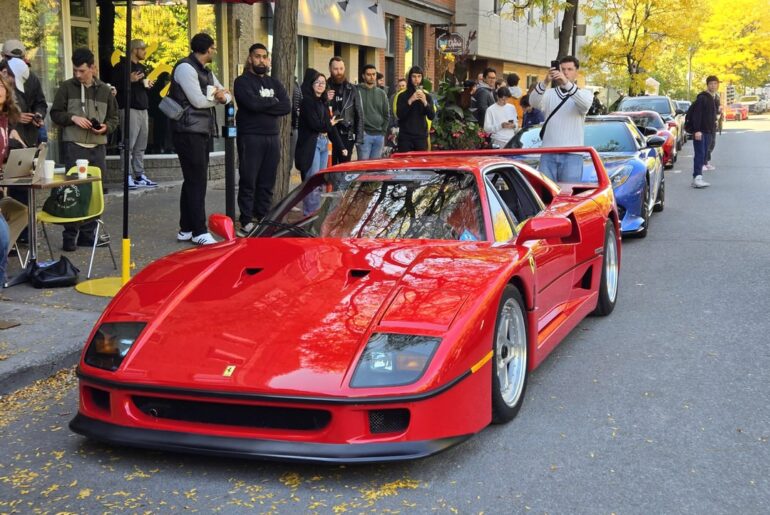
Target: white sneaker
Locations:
point(183, 236)
point(246, 229)
point(704, 169)
point(698, 182)
point(203, 239)
point(710, 167)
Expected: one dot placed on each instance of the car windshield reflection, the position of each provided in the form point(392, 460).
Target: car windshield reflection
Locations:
point(383, 204)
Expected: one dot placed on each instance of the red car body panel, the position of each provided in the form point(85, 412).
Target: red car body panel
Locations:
point(668, 133)
point(293, 317)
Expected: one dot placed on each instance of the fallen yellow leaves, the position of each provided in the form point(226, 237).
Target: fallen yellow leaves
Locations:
point(37, 397)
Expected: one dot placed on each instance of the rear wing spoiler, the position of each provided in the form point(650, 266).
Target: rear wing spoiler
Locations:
point(601, 174)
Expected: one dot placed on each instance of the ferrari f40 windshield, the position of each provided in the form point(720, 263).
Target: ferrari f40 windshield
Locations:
point(410, 204)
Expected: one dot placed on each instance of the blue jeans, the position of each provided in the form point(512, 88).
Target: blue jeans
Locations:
point(371, 148)
point(562, 167)
point(5, 243)
point(320, 159)
point(701, 148)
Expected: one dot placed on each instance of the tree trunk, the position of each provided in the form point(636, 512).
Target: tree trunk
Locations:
point(567, 28)
point(284, 60)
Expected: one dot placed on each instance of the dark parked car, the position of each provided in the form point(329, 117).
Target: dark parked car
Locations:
point(665, 107)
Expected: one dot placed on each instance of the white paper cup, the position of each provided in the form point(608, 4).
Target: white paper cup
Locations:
point(210, 93)
point(49, 168)
point(146, 83)
point(82, 166)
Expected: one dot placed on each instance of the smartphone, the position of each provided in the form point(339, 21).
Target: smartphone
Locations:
point(555, 65)
point(419, 87)
point(510, 121)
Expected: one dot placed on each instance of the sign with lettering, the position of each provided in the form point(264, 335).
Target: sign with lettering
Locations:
point(450, 43)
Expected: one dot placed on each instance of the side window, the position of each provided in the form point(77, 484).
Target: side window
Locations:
point(515, 192)
point(641, 141)
point(501, 224)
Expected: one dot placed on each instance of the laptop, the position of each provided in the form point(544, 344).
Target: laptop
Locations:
point(20, 167)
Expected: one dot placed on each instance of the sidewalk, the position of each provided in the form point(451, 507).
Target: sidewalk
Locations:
point(54, 324)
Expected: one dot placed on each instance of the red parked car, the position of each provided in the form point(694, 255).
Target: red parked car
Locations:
point(736, 112)
point(399, 317)
point(652, 119)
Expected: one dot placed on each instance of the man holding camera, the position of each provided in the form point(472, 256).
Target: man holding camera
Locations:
point(86, 109)
point(565, 107)
point(345, 103)
point(31, 101)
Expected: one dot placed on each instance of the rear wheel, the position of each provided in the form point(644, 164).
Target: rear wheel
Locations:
point(608, 287)
point(660, 201)
point(510, 357)
point(645, 212)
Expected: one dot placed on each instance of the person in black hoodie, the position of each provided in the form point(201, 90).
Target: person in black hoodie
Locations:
point(703, 116)
point(261, 100)
point(316, 126)
point(413, 108)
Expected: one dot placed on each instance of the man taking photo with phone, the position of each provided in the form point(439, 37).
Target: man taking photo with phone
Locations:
point(564, 107)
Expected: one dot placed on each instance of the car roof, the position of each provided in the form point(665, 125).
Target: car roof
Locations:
point(610, 118)
point(441, 162)
point(647, 96)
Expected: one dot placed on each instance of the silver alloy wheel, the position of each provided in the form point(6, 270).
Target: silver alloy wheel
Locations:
point(611, 266)
point(511, 352)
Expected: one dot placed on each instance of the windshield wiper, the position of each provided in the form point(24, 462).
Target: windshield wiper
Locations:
point(288, 227)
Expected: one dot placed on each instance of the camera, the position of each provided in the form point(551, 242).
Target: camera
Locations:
point(95, 124)
point(555, 65)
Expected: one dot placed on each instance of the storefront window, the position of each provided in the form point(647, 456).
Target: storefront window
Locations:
point(413, 54)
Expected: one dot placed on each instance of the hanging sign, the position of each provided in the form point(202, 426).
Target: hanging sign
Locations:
point(450, 43)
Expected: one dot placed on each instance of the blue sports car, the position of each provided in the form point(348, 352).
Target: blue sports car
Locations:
point(632, 162)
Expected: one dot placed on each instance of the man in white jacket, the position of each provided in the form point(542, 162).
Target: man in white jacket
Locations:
point(501, 120)
point(564, 125)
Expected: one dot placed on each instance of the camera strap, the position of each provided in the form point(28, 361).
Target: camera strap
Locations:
point(83, 99)
point(542, 129)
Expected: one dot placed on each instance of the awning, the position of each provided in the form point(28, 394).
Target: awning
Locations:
point(362, 22)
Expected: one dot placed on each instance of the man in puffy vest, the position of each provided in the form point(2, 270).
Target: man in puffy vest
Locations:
point(197, 90)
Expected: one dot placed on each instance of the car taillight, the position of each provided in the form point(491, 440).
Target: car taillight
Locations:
point(671, 124)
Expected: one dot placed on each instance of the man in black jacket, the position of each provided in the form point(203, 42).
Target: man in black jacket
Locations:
point(485, 95)
point(32, 101)
point(703, 124)
point(261, 101)
point(346, 106)
point(195, 88)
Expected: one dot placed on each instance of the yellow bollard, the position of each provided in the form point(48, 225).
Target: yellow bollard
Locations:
point(126, 261)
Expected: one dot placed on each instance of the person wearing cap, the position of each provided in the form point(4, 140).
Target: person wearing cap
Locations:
point(29, 97)
point(139, 120)
point(703, 115)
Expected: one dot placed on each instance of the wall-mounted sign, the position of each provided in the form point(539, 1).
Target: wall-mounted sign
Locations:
point(450, 43)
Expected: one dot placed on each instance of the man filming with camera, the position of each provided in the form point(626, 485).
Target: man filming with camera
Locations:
point(564, 107)
point(87, 111)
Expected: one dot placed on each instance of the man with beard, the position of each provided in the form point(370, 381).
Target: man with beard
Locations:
point(345, 104)
point(261, 101)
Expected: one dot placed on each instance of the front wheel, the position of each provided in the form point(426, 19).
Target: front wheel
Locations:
point(608, 287)
point(510, 357)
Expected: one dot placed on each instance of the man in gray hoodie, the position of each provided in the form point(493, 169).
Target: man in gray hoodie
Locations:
point(376, 115)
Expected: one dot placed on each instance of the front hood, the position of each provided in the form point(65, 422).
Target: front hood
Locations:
point(291, 315)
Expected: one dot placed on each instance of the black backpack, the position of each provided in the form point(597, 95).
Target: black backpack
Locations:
point(688, 127)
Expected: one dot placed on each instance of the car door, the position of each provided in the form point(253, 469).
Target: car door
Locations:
point(651, 158)
point(553, 260)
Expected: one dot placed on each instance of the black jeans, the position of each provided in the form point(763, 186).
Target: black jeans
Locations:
point(83, 232)
point(337, 156)
point(193, 152)
point(410, 143)
point(258, 163)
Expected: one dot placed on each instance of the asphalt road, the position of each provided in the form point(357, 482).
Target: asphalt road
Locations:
point(663, 407)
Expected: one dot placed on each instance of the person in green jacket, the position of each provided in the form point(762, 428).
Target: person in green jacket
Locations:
point(376, 115)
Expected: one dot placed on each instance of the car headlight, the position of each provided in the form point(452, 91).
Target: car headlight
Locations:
point(393, 360)
point(111, 343)
point(619, 177)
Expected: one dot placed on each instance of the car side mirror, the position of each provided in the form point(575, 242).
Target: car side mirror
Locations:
point(222, 226)
point(649, 131)
point(679, 111)
point(655, 141)
point(545, 227)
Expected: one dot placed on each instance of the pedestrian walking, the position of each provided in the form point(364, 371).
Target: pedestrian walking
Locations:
point(564, 107)
point(707, 166)
point(139, 128)
point(195, 88)
point(346, 106)
point(262, 101)
point(316, 128)
point(413, 109)
point(532, 116)
point(501, 119)
point(702, 122)
point(86, 110)
point(484, 95)
point(374, 103)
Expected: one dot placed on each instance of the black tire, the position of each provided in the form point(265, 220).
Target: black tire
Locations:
point(660, 201)
point(505, 410)
point(607, 299)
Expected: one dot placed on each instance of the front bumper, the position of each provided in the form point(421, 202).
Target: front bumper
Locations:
point(262, 449)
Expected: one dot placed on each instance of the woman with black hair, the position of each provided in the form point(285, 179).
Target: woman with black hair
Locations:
point(316, 126)
point(413, 110)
